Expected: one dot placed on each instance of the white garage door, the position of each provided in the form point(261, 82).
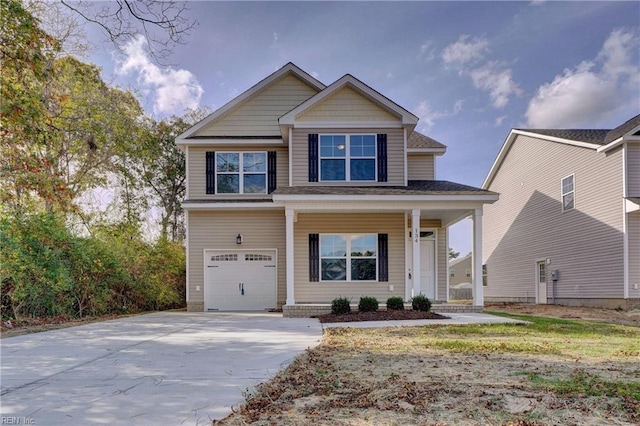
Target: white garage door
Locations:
point(240, 280)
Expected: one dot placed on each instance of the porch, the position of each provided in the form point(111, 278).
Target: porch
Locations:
point(307, 310)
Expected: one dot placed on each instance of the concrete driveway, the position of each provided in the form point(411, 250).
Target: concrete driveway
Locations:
point(170, 368)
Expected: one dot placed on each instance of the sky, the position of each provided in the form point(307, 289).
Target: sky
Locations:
point(471, 71)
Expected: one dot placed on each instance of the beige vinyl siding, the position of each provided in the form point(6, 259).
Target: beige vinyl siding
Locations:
point(527, 222)
point(442, 254)
point(421, 167)
point(633, 170)
point(197, 169)
point(261, 229)
point(325, 292)
point(634, 254)
point(460, 271)
point(300, 156)
point(346, 104)
point(258, 116)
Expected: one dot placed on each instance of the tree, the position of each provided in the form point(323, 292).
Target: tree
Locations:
point(453, 254)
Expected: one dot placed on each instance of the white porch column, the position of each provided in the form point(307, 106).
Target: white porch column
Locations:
point(476, 259)
point(290, 216)
point(415, 241)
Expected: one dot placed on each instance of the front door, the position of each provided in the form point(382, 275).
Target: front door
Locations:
point(541, 282)
point(427, 267)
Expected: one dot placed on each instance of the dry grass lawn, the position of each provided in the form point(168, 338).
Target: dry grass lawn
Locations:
point(553, 372)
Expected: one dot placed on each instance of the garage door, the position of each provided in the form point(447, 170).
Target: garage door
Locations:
point(240, 280)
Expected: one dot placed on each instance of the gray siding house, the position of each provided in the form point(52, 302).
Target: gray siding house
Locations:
point(298, 193)
point(566, 229)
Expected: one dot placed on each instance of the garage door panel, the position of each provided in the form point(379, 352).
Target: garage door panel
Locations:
point(243, 280)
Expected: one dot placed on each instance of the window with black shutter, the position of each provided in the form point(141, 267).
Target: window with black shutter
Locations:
point(382, 157)
point(313, 157)
point(314, 257)
point(271, 171)
point(210, 172)
point(383, 257)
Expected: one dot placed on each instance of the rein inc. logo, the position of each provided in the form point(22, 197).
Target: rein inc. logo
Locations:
point(16, 420)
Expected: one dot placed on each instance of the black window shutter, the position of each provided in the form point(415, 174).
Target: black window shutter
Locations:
point(383, 257)
point(314, 257)
point(271, 171)
point(382, 157)
point(313, 157)
point(211, 172)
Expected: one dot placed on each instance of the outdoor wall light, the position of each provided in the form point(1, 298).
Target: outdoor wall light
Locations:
point(239, 239)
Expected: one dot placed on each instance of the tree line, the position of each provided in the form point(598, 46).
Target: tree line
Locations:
point(84, 175)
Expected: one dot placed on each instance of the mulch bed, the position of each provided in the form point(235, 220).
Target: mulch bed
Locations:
point(390, 315)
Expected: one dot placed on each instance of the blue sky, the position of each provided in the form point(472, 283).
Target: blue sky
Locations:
point(470, 70)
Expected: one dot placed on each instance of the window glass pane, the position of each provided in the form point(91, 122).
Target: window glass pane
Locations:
point(363, 269)
point(366, 245)
point(332, 146)
point(334, 269)
point(362, 146)
point(228, 184)
point(333, 246)
point(254, 184)
point(567, 201)
point(332, 170)
point(254, 162)
point(227, 162)
point(363, 169)
point(567, 184)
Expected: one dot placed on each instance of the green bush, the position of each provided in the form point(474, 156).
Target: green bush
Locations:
point(421, 303)
point(395, 303)
point(340, 306)
point(368, 304)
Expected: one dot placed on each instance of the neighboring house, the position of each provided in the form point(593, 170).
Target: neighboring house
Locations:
point(566, 229)
point(298, 193)
point(460, 270)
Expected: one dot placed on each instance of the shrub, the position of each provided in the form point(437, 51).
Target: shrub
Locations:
point(421, 303)
point(340, 306)
point(368, 304)
point(395, 303)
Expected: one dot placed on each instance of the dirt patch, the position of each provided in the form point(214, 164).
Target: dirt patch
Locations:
point(383, 315)
point(612, 316)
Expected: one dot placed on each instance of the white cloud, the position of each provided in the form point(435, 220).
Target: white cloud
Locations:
point(428, 116)
point(582, 95)
point(427, 51)
point(174, 90)
point(498, 121)
point(465, 50)
point(496, 80)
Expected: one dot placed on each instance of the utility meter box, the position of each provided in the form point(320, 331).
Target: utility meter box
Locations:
point(555, 275)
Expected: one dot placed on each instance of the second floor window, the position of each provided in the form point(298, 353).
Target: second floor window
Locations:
point(347, 157)
point(241, 172)
point(568, 193)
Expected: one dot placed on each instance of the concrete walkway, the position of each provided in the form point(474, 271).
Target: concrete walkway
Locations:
point(454, 319)
point(170, 368)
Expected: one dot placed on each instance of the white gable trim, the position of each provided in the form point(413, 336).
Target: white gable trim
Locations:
point(406, 118)
point(289, 68)
point(512, 137)
point(437, 151)
point(628, 137)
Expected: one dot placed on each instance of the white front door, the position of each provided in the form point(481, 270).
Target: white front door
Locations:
point(427, 268)
point(240, 280)
point(541, 282)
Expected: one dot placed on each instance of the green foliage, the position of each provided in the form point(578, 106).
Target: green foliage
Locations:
point(340, 306)
point(582, 383)
point(421, 303)
point(47, 271)
point(368, 304)
point(395, 303)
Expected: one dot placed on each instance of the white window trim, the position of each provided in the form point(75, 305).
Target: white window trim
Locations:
point(347, 157)
point(563, 194)
point(348, 257)
point(241, 173)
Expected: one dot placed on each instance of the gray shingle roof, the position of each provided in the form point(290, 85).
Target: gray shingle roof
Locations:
point(596, 136)
point(415, 187)
point(418, 140)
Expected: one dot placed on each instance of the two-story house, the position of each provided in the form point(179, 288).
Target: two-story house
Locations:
point(298, 193)
point(566, 229)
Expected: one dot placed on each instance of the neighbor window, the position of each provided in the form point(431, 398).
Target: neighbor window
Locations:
point(452, 272)
point(568, 193)
point(348, 257)
point(241, 172)
point(542, 272)
point(485, 275)
point(467, 273)
point(348, 157)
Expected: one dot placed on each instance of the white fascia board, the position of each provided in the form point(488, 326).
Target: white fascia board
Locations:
point(344, 124)
point(385, 199)
point(435, 151)
point(467, 207)
point(512, 137)
point(616, 143)
point(407, 118)
point(290, 67)
point(237, 142)
point(231, 206)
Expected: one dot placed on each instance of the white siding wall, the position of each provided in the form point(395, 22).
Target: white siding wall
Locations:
point(633, 170)
point(259, 115)
point(634, 254)
point(300, 156)
point(217, 230)
point(197, 169)
point(421, 167)
point(527, 223)
point(346, 105)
